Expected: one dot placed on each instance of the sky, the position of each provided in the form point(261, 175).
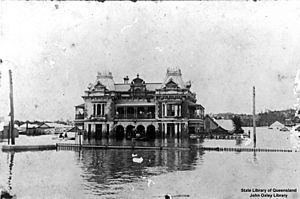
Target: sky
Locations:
point(55, 49)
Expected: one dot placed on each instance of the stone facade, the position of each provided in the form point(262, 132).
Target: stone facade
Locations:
point(139, 109)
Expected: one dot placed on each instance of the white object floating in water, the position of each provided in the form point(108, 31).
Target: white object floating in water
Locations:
point(137, 160)
point(150, 182)
point(248, 141)
point(132, 188)
point(133, 155)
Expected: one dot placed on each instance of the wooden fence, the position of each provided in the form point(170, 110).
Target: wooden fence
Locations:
point(67, 146)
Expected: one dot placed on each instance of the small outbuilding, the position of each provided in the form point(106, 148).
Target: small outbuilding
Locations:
point(221, 126)
point(57, 128)
point(276, 125)
point(4, 130)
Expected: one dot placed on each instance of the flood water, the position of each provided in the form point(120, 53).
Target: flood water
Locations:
point(180, 173)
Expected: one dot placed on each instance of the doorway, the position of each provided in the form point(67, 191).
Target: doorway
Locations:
point(98, 133)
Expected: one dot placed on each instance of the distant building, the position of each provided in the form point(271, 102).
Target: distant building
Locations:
point(43, 128)
point(276, 125)
point(289, 122)
point(4, 128)
point(56, 128)
point(29, 129)
point(130, 109)
point(4, 131)
point(221, 126)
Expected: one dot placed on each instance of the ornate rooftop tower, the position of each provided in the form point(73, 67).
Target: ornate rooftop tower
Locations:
point(107, 80)
point(174, 74)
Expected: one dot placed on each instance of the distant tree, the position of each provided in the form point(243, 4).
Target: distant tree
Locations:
point(237, 123)
point(19, 123)
point(264, 118)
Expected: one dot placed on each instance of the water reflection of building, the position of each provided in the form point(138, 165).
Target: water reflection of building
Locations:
point(166, 109)
point(104, 166)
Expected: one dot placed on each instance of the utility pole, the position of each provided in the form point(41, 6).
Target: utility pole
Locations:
point(8, 134)
point(78, 134)
point(254, 123)
point(12, 121)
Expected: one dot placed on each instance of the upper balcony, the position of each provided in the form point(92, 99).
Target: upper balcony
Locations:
point(127, 111)
point(98, 117)
point(79, 112)
point(149, 115)
point(79, 116)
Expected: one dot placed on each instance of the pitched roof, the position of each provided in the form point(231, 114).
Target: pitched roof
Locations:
point(44, 125)
point(122, 87)
point(277, 124)
point(173, 75)
point(74, 129)
point(225, 124)
point(107, 80)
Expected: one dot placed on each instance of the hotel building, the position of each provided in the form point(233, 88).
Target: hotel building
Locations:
point(138, 108)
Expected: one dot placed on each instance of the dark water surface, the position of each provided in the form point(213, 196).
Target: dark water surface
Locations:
point(181, 173)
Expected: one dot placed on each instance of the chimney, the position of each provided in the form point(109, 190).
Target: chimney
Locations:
point(126, 79)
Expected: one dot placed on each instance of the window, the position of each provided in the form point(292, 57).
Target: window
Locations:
point(98, 109)
point(94, 111)
point(171, 110)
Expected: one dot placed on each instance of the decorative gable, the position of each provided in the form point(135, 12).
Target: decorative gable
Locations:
point(138, 87)
point(171, 84)
point(99, 87)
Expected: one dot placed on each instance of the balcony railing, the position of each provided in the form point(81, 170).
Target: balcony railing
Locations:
point(192, 116)
point(134, 116)
point(98, 116)
point(79, 116)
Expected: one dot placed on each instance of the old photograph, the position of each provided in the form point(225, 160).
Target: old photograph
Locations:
point(149, 99)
